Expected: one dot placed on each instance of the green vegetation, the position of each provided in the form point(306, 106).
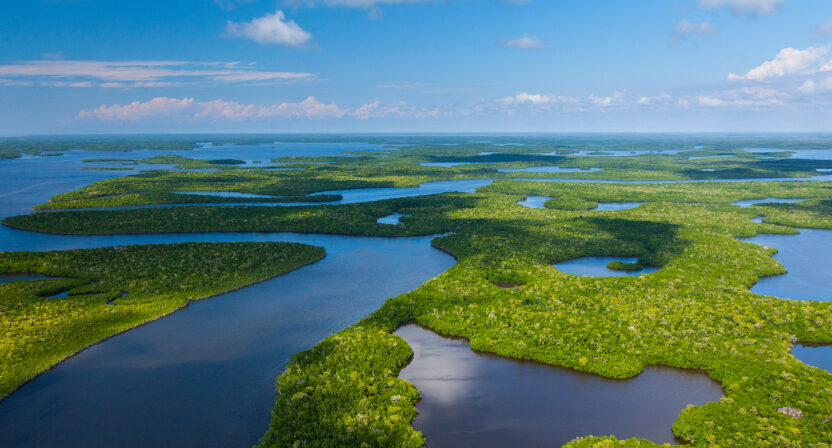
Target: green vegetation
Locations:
point(695, 313)
point(9, 154)
point(624, 266)
point(504, 296)
point(114, 289)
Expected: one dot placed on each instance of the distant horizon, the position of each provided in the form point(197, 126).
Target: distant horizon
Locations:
point(415, 66)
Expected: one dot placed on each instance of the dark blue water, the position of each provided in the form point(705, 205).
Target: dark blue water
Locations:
point(480, 400)
point(20, 276)
point(597, 267)
point(203, 376)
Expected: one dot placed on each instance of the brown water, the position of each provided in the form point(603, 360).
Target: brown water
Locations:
point(476, 399)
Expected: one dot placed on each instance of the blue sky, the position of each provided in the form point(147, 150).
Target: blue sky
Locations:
point(415, 66)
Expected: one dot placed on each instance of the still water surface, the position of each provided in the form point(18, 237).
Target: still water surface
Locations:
point(480, 400)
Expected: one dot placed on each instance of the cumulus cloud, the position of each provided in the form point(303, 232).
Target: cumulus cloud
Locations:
point(743, 6)
point(270, 29)
point(685, 28)
point(788, 61)
point(127, 74)
point(523, 43)
point(186, 109)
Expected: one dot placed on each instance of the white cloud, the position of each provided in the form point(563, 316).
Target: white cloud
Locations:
point(660, 99)
point(535, 99)
point(186, 109)
point(685, 28)
point(126, 74)
point(755, 96)
point(812, 87)
point(523, 43)
point(825, 29)
point(270, 29)
point(607, 101)
point(743, 6)
point(788, 61)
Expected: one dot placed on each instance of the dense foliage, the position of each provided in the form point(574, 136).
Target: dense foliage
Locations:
point(113, 289)
point(695, 313)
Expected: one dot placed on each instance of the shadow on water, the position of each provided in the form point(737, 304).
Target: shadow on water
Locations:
point(476, 399)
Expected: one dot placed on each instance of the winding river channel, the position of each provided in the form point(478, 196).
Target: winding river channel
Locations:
point(204, 376)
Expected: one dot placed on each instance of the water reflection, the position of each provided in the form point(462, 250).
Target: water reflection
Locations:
point(597, 267)
point(475, 399)
point(205, 376)
point(535, 201)
point(617, 205)
point(750, 202)
point(393, 219)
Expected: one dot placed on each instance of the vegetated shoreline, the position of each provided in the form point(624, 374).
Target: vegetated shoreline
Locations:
point(533, 362)
point(143, 323)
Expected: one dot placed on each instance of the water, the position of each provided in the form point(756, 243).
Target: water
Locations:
point(535, 201)
point(750, 202)
point(394, 219)
point(717, 156)
point(377, 194)
point(547, 169)
point(813, 154)
point(20, 276)
point(538, 201)
point(815, 355)
point(445, 164)
point(476, 399)
point(605, 206)
point(808, 260)
point(597, 267)
point(205, 376)
point(226, 194)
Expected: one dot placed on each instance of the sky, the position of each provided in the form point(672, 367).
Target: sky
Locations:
point(129, 66)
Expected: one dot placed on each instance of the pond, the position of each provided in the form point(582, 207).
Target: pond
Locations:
point(750, 202)
point(597, 267)
point(809, 263)
point(617, 205)
point(547, 169)
point(477, 399)
point(393, 219)
point(534, 201)
point(814, 355)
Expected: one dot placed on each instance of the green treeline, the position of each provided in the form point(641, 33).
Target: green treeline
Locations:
point(114, 289)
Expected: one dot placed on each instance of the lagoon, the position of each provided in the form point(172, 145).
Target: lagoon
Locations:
point(475, 399)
